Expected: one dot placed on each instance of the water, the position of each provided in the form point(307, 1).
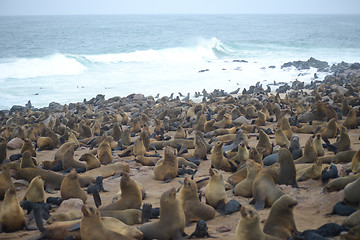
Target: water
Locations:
point(69, 58)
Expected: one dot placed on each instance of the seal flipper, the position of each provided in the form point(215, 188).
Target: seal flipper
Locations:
point(258, 200)
point(38, 217)
point(146, 213)
point(97, 198)
point(74, 227)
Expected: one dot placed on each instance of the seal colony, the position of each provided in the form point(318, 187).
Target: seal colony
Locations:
point(212, 151)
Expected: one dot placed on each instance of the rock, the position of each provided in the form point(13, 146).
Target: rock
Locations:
point(139, 97)
point(240, 61)
point(15, 143)
point(321, 66)
point(54, 106)
point(72, 203)
point(272, 66)
point(241, 120)
point(355, 66)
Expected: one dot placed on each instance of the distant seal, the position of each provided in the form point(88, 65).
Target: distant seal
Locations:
point(26, 160)
point(264, 144)
point(215, 190)
point(265, 191)
point(104, 151)
point(166, 168)
point(131, 196)
point(248, 227)
point(180, 133)
point(11, 215)
point(92, 228)
point(281, 139)
point(35, 191)
point(287, 174)
point(310, 154)
point(70, 187)
point(193, 208)
point(313, 172)
point(172, 219)
point(27, 146)
point(280, 222)
point(244, 188)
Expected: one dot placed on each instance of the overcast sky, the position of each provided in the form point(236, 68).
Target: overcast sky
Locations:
point(60, 7)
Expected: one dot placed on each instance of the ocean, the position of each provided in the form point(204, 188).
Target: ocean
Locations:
point(68, 58)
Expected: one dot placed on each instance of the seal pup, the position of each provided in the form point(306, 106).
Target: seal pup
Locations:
point(248, 227)
point(35, 191)
point(167, 167)
point(280, 222)
point(70, 187)
point(287, 174)
point(11, 215)
point(265, 192)
point(131, 196)
point(244, 188)
point(310, 154)
point(92, 228)
point(193, 208)
point(215, 190)
point(318, 145)
point(172, 219)
point(104, 151)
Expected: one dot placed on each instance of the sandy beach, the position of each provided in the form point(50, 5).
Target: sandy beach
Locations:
point(313, 206)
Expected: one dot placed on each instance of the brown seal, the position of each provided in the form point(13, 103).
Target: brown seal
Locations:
point(68, 160)
point(122, 228)
point(5, 180)
point(313, 172)
point(281, 139)
point(215, 189)
point(166, 168)
point(27, 146)
point(70, 187)
point(125, 138)
point(3, 145)
point(139, 147)
point(218, 160)
point(310, 154)
point(64, 216)
point(244, 188)
point(285, 126)
point(35, 191)
point(340, 183)
point(172, 219)
point(45, 143)
point(344, 156)
point(261, 119)
point(127, 216)
point(287, 174)
point(226, 122)
point(248, 227)
point(331, 129)
point(355, 162)
point(264, 144)
point(280, 222)
point(11, 215)
point(193, 208)
point(318, 145)
point(91, 161)
point(343, 143)
point(180, 133)
point(131, 196)
point(352, 191)
point(242, 154)
point(26, 161)
point(353, 219)
point(104, 151)
point(116, 132)
point(265, 191)
point(92, 228)
point(350, 121)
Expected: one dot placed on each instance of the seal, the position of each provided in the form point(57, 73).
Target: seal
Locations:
point(166, 168)
point(70, 187)
point(244, 188)
point(35, 191)
point(122, 228)
point(64, 216)
point(248, 227)
point(295, 147)
point(344, 157)
point(3, 145)
point(11, 215)
point(340, 183)
point(285, 126)
point(350, 121)
point(242, 155)
point(127, 216)
point(172, 219)
point(91, 161)
point(265, 192)
point(116, 132)
point(26, 160)
point(343, 143)
point(287, 174)
point(355, 162)
point(180, 133)
point(281, 139)
point(313, 172)
point(68, 160)
point(125, 138)
point(264, 144)
point(318, 145)
point(352, 220)
point(261, 119)
point(5, 180)
point(330, 130)
point(92, 228)
point(218, 160)
point(215, 190)
point(131, 196)
point(310, 154)
point(193, 208)
point(104, 151)
point(280, 222)
point(44, 143)
point(27, 146)
point(352, 192)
